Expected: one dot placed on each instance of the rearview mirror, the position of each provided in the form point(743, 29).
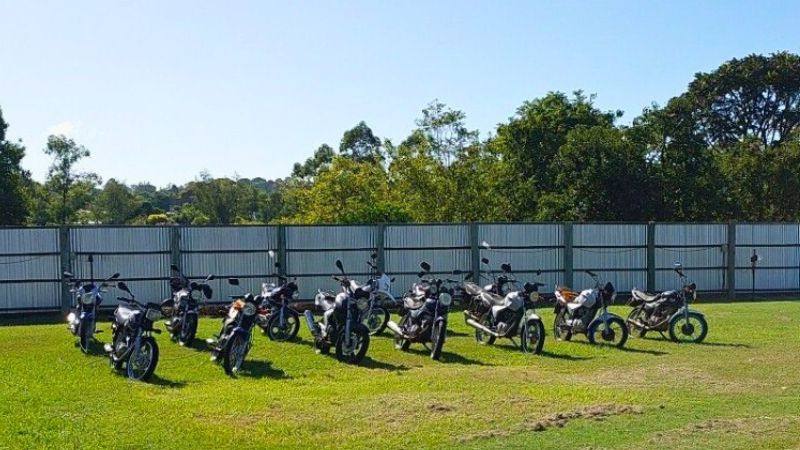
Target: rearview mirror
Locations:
point(506, 267)
point(174, 268)
point(123, 287)
point(277, 265)
point(486, 245)
point(339, 265)
point(68, 275)
point(485, 260)
point(210, 278)
point(207, 291)
point(373, 255)
point(233, 281)
point(114, 277)
point(425, 266)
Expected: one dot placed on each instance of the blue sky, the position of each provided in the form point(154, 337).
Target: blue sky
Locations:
point(159, 91)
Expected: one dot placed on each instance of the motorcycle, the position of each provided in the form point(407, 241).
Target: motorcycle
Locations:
point(578, 313)
point(424, 314)
point(82, 320)
point(235, 338)
point(341, 324)
point(277, 319)
point(377, 316)
point(497, 315)
point(185, 306)
point(133, 345)
point(668, 312)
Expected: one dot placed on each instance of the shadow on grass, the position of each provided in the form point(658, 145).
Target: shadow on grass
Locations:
point(449, 357)
point(458, 333)
point(706, 344)
point(623, 349)
point(163, 382)
point(545, 353)
point(370, 363)
point(261, 369)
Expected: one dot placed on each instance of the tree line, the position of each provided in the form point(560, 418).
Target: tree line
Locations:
point(728, 148)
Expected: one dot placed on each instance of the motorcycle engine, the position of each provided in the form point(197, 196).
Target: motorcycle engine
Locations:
point(502, 327)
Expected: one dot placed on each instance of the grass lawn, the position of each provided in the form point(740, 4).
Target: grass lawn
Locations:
point(740, 389)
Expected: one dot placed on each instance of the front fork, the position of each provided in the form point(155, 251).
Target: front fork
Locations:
point(347, 326)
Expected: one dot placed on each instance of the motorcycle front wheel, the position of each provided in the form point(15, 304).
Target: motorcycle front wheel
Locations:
point(532, 337)
point(234, 354)
point(359, 343)
point(85, 333)
point(614, 332)
point(376, 320)
point(188, 330)
point(142, 363)
point(285, 332)
point(691, 329)
point(401, 343)
point(438, 333)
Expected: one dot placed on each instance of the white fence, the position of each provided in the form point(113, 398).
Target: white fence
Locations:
point(718, 257)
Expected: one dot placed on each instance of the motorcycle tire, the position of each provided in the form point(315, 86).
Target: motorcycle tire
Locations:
point(680, 328)
point(132, 369)
point(560, 332)
point(277, 333)
point(481, 337)
point(438, 332)
point(234, 354)
point(377, 320)
point(633, 316)
point(85, 333)
point(360, 348)
point(532, 337)
point(608, 335)
point(188, 330)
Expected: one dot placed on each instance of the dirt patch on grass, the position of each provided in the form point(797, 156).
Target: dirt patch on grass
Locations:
point(440, 408)
point(560, 420)
point(746, 429)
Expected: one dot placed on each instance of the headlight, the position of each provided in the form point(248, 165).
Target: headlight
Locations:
point(362, 303)
point(534, 296)
point(153, 315)
point(87, 299)
point(70, 317)
point(249, 309)
point(445, 299)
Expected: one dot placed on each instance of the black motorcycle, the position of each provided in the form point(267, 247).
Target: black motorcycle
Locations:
point(668, 312)
point(377, 315)
point(276, 317)
point(184, 305)
point(341, 324)
point(497, 312)
point(424, 314)
point(82, 320)
point(133, 347)
point(587, 313)
point(235, 338)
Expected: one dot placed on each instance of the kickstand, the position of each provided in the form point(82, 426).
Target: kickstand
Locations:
point(514, 342)
point(663, 335)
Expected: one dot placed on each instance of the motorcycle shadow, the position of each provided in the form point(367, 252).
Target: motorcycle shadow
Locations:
point(544, 353)
point(625, 349)
point(95, 349)
point(370, 363)
point(165, 383)
point(707, 344)
point(449, 357)
point(262, 369)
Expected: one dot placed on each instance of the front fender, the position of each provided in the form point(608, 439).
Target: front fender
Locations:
point(684, 310)
point(532, 316)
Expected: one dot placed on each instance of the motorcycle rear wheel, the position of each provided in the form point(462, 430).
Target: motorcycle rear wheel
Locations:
point(288, 331)
point(560, 330)
point(633, 317)
point(376, 320)
point(484, 338)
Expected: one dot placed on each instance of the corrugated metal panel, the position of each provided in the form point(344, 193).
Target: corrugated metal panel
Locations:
point(404, 236)
point(126, 242)
point(44, 294)
point(706, 279)
point(323, 262)
point(767, 234)
point(691, 234)
point(525, 259)
point(517, 235)
point(776, 246)
point(229, 238)
point(767, 279)
point(330, 237)
point(609, 234)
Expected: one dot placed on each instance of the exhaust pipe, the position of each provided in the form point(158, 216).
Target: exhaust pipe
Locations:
point(475, 324)
point(312, 326)
point(396, 328)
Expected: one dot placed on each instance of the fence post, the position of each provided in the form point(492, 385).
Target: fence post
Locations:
point(651, 256)
point(731, 262)
point(65, 248)
point(380, 248)
point(282, 250)
point(566, 230)
point(475, 252)
point(175, 246)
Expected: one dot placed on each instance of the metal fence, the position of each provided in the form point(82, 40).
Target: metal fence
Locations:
point(720, 258)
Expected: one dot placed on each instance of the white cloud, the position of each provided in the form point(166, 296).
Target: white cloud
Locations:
point(67, 128)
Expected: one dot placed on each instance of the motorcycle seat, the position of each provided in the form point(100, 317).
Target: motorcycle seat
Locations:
point(472, 289)
point(325, 300)
point(124, 314)
point(413, 302)
point(492, 299)
point(644, 296)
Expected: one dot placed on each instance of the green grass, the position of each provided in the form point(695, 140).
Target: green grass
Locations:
point(741, 389)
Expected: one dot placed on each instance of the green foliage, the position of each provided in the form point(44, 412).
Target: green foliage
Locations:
point(12, 180)
point(360, 144)
point(73, 189)
point(116, 204)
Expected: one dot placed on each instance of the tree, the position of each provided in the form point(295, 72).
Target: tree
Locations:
point(12, 180)
point(599, 175)
point(116, 204)
point(754, 97)
point(313, 166)
point(445, 130)
point(360, 144)
point(64, 181)
point(529, 141)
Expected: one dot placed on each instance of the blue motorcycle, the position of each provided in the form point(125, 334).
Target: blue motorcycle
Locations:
point(82, 319)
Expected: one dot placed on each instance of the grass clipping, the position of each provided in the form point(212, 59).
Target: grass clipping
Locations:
point(559, 420)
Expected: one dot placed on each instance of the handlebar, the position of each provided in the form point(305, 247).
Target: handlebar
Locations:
point(591, 274)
